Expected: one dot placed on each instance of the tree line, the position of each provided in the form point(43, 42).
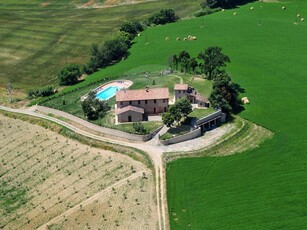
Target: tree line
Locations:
point(225, 4)
point(212, 65)
point(212, 60)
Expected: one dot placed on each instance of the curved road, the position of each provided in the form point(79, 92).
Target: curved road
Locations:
point(154, 153)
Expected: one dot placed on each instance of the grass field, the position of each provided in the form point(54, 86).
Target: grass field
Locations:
point(265, 188)
point(38, 39)
point(44, 174)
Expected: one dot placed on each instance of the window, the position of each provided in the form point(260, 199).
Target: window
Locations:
point(155, 101)
point(121, 103)
point(163, 100)
point(179, 91)
point(139, 102)
point(154, 110)
point(145, 101)
point(164, 109)
point(130, 102)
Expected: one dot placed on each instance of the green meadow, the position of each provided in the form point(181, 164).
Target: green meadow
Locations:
point(37, 39)
point(265, 188)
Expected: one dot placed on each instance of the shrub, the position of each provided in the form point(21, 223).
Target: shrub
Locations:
point(139, 127)
point(70, 74)
point(163, 17)
point(42, 92)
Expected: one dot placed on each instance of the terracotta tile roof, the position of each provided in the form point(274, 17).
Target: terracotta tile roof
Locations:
point(201, 98)
point(142, 94)
point(181, 87)
point(129, 108)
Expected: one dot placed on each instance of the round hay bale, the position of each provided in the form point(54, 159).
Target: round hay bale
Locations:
point(283, 8)
point(185, 39)
point(223, 10)
point(178, 39)
point(235, 14)
point(139, 35)
point(298, 15)
point(252, 8)
point(189, 36)
point(167, 38)
point(302, 19)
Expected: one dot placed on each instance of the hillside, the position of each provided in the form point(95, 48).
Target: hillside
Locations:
point(38, 38)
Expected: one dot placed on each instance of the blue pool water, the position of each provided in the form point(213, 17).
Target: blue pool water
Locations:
point(107, 93)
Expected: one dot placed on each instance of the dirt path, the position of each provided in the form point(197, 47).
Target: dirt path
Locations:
point(92, 199)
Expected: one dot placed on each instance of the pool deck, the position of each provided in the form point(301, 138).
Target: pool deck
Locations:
point(123, 84)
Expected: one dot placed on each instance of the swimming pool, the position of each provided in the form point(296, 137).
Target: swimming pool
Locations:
point(107, 93)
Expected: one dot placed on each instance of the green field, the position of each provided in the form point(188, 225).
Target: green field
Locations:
point(265, 188)
point(37, 40)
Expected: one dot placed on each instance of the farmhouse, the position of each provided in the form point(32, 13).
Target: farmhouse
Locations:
point(182, 90)
point(136, 105)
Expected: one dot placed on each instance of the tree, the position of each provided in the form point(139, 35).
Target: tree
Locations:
point(225, 94)
point(167, 119)
point(213, 59)
point(139, 127)
point(184, 105)
point(192, 65)
point(70, 74)
point(110, 51)
point(94, 108)
point(177, 112)
point(163, 17)
point(132, 28)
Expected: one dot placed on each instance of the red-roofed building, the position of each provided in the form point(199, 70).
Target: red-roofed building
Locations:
point(136, 105)
point(180, 90)
point(183, 90)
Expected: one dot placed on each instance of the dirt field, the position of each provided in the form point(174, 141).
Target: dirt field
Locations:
point(45, 177)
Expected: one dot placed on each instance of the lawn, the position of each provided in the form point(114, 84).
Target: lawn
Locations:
point(176, 131)
point(265, 188)
point(199, 113)
point(37, 40)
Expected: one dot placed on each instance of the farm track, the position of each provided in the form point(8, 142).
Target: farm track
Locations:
point(154, 152)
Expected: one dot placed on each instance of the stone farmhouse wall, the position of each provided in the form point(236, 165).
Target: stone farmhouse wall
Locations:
point(124, 117)
point(179, 94)
point(185, 137)
point(150, 106)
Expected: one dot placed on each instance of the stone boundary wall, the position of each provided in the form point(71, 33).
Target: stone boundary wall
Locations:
point(97, 128)
point(185, 137)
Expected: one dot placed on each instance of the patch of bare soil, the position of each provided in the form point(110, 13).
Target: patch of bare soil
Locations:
point(270, 1)
point(44, 4)
point(112, 3)
point(89, 3)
